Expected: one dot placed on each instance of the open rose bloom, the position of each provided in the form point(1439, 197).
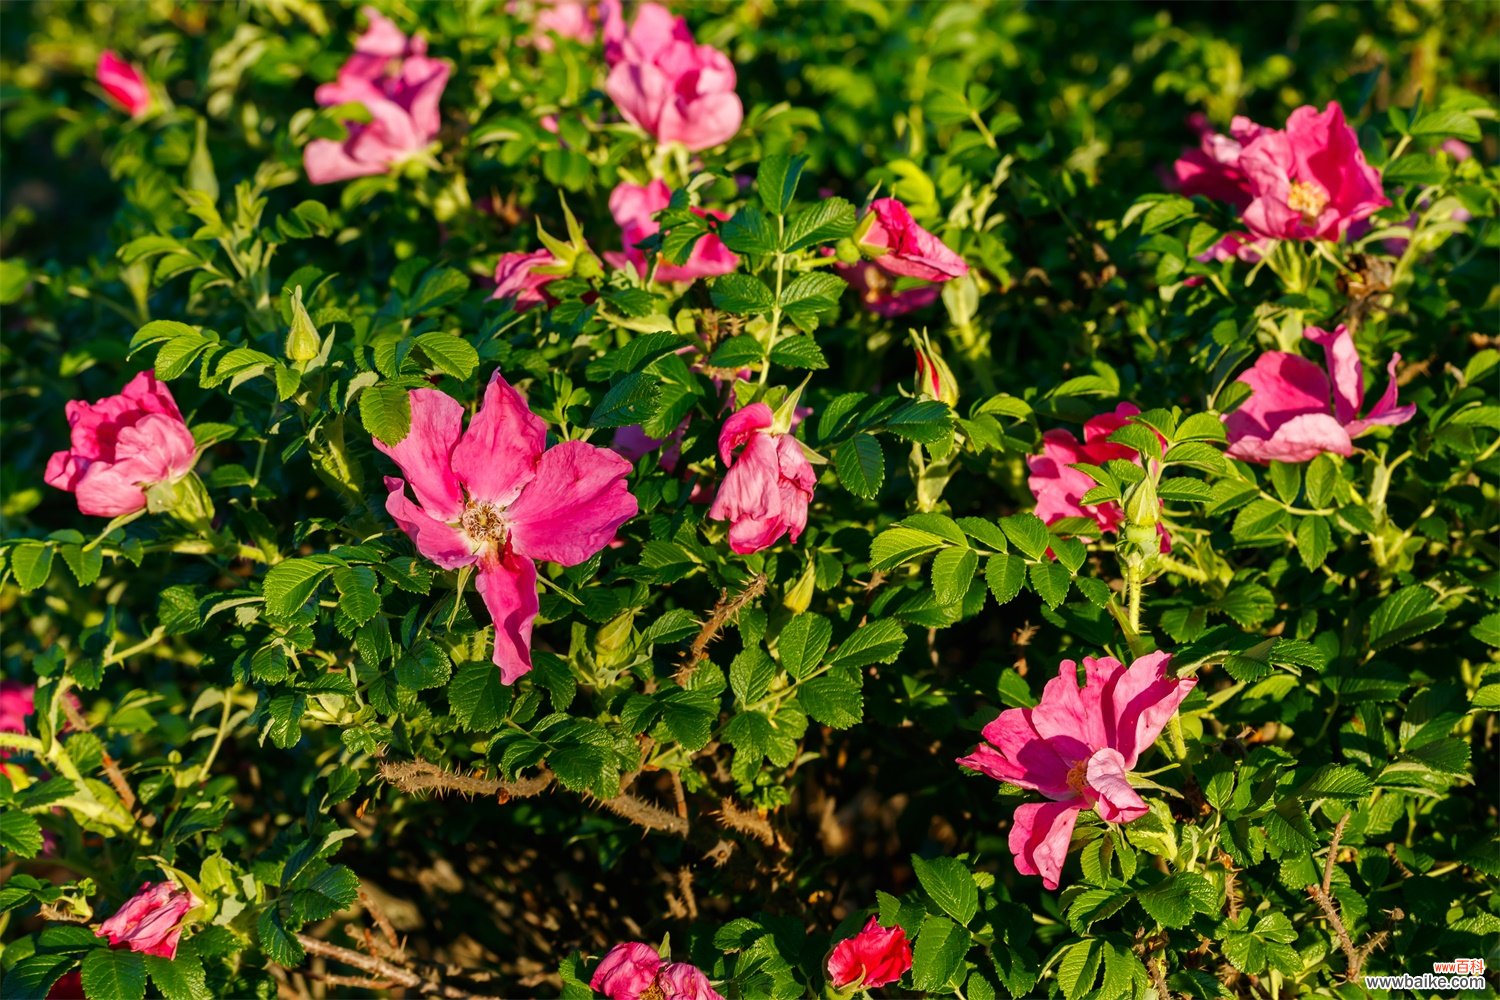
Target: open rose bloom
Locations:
point(122, 446)
point(1059, 488)
point(399, 85)
point(1311, 180)
point(1076, 747)
point(1213, 169)
point(891, 238)
point(635, 971)
point(150, 922)
point(876, 956)
point(123, 83)
point(633, 207)
point(766, 491)
point(495, 497)
point(1298, 410)
point(663, 81)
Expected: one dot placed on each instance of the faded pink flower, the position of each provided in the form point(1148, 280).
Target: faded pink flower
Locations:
point(766, 491)
point(878, 292)
point(124, 83)
point(1289, 416)
point(635, 971)
point(150, 922)
point(1311, 180)
point(122, 445)
point(1076, 747)
point(394, 79)
point(495, 497)
point(566, 19)
point(663, 81)
point(891, 238)
point(1213, 169)
point(1059, 488)
point(876, 956)
point(517, 279)
point(633, 205)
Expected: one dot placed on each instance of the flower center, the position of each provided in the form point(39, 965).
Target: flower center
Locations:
point(483, 522)
point(1308, 198)
point(1078, 776)
point(654, 991)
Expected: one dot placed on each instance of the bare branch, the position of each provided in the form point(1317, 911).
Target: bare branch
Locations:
point(723, 613)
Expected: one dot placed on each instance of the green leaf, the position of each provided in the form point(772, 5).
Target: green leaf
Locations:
point(358, 594)
point(833, 700)
point(1405, 615)
point(810, 296)
point(1050, 581)
point(280, 946)
point(802, 643)
point(898, 544)
point(822, 222)
point(452, 354)
point(1080, 967)
point(14, 276)
point(950, 884)
point(1314, 540)
point(1027, 533)
point(181, 978)
point(1286, 479)
point(939, 954)
point(738, 352)
point(952, 572)
point(333, 889)
point(385, 411)
point(927, 421)
point(742, 293)
point(31, 562)
point(632, 400)
point(1005, 572)
point(284, 719)
point(750, 675)
point(1322, 476)
point(20, 833)
point(114, 975)
point(478, 700)
point(798, 352)
point(1173, 901)
point(290, 584)
point(1166, 212)
point(748, 232)
point(32, 977)
point(423, 666)
point(1200, 427)
point(860, 465)
point(876, 642)
point(439, 288)
point(776, 181)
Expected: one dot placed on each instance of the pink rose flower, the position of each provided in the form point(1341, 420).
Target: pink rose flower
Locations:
point(122, 445)
point(1213, 169)
point(1059, 488)
point(124, 83)
point(661, 80)
point(391, 76)
point(1289, 416)
point(565, 19)
point(635, 971)
point(516, 278)
point(876, 956)
point(17, 701)
point(633, 205)
point(495, 497)
point(878, 292)
point(897, 245)
point(151, 921)
point(1076, 747)
point(766, 491)
point(1311, 180)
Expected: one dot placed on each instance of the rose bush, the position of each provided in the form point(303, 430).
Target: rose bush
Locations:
point(514, 498)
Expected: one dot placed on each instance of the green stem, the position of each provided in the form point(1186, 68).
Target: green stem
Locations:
point(765, 370)
point(1174, 737)
point(213, 751)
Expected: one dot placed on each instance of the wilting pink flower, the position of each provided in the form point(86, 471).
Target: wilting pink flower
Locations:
point(1213, 169)
point(150, 922)
point(1289, 416)
point(1309, 181)
point(766, 491)
point(1075, 747)
point(878, 292)
point(495, 497)
point(635, 971)
point(633, 205)
point(124, 83)
point(566, 19)
point(897, 245)
point(394, 79)
point(517, 279)
point(120, 446)
point(666, 83)
point(874, 957)
point(1059, 488)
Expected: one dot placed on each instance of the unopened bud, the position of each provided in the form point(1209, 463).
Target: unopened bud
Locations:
point(302, 342)
point(846, 252)
point(614, 637)
point(1142, 508)
point(934, 378)
point(799, 597)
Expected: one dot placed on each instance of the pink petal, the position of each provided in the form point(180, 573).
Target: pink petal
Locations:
point(741, 426)
point(508, 587)
point(108, 490)
point(626, 972)
point(1300, 439)
point(160, 447)
point(1386, 411)
point(1014, 752)
point(1344, 365)
point(425, 455)
point(574, 506)
point(1138, 701)
point(681, 981)
point(441, 543)
point(1040, 835)
point(1282, 387)
point(328, 162)
point(1070, 716)
point(497, 456)
point(1113, 798)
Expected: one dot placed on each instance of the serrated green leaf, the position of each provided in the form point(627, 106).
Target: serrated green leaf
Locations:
point(109, 974)
point(950, 884)
point(1006, 575)
point(290, 584)
point(860, 465)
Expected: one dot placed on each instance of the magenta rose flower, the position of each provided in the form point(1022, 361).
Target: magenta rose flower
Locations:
point(394, 79)
point(1059, 488)
point(517, 278)
point(17, 701)
point(891, 238)
point(878, 292)
point(1309, 181)
point(1289, 416)
point(123, 83)
point(121, 446)
point(635, 971)
point(150, 922)
point(663, 81)
point(1213, 169)
point(766, 491)
point(1076, 747)
point(633, 205)
point(876, 956)
point(496, 497)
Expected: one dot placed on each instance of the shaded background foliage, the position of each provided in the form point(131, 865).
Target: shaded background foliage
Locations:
point(1090, 102)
